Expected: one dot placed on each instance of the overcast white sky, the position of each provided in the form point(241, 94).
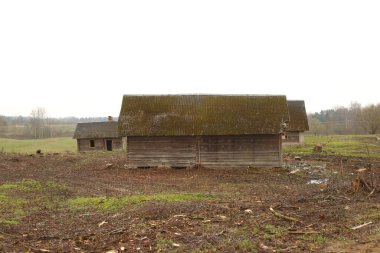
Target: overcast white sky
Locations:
point(77, 58)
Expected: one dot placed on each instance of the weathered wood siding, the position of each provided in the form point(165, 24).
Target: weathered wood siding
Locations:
point(240, 151)
point(209, 151)
point(176, 151)
point(301, 137)
point(294, 138)
point(268, 151)
point(100, 144)
point(117, 143)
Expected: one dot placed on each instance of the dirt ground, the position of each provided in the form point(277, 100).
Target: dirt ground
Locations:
point(240, 210)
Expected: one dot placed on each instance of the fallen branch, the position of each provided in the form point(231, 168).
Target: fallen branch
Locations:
point(3, 233)
point(197, 218)
point(304, 232)
point(369, 195)
point(288, 249)
point(118, 231)
point(283, 216)
point(337, 197)
point(34, 249)
point(363, 225)
point(48, 238)
point(366, 185)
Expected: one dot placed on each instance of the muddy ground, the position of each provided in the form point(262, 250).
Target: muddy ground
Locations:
point(235, 210)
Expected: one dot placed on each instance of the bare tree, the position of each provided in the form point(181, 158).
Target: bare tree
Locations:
point(354, 114)
point(369, 118)
point(316, 127)
point(3, 121)
point(38, 122)
point(3, 126)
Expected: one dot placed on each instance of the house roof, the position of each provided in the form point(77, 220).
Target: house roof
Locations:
point(172, 115)
point(298, 117)
point(96, 130)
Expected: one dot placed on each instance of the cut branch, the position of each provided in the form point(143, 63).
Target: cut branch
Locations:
point(363, 225)
point(283, 216)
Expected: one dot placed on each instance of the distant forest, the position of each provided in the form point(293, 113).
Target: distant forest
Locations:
point(38, 126)
point(355, 119)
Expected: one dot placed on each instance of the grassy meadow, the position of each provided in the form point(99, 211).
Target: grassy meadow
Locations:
point(63, 144)
point(21, 131)
point(339, 145)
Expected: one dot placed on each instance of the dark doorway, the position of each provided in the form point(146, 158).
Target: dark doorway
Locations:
point(109, 145)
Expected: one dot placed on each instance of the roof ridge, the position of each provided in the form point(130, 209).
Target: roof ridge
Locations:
point(205, 94)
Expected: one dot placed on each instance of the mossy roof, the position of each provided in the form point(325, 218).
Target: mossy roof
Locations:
point(88, 130)
point(298, 117)
point(173, 115)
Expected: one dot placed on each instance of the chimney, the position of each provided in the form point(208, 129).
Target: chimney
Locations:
point(110, 119)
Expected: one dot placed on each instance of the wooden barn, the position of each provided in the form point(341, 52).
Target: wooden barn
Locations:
point(298, 123)
point(98, 136)
point(210, 130)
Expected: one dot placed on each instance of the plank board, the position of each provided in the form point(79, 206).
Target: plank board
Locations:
point(100, 144)
point(240, 151)
point(293, 137)
point(209, 151)
point(178, 151)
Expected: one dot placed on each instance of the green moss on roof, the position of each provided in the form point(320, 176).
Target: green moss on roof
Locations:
point(96, 130)
point(171, 115)
point(298, 116)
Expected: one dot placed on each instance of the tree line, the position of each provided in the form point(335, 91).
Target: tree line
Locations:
point(38, 125)
point(355, 119)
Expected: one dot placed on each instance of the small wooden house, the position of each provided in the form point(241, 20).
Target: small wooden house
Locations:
point(298, 123)
point(98, 136)
point(208, 130)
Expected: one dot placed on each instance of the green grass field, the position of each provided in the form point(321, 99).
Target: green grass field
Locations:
point(64, 144)
point(340, 145)
point(23, 131)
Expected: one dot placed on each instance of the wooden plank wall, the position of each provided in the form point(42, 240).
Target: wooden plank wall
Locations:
point(268, 151)
point(293, 137)
point(176, 151)
point(209, 151)
point(117, 143)
point(240, 151)
point(84, 144)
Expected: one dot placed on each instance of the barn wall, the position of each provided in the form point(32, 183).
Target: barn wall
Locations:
point(209, 151)
point(302, 138)
point(240, 151)
point(293, 137)
point(177, 151)
point(117, 143)
point(84, 144)
point(124, 143)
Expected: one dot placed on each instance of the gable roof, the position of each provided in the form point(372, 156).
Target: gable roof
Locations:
point(171, 115)
point(96, 130)
point(298, 117)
